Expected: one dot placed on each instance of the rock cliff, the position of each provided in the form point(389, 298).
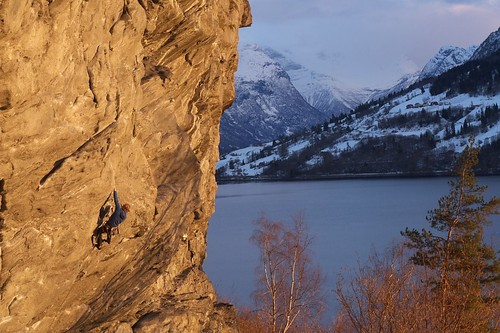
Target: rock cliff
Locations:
point(96, 95)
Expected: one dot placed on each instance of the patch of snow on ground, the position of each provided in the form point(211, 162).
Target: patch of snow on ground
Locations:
point(299, 146)
point(341, 146)
point(315, 160)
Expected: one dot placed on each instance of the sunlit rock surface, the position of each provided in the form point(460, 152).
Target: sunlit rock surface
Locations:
point(101, 94)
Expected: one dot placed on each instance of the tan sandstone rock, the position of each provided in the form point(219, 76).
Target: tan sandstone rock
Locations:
point(100, 94)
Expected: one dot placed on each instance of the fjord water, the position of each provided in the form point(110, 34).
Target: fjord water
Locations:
point(348, 219)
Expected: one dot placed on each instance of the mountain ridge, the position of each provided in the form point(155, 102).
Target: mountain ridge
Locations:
point(446, 58)
point(489, 46)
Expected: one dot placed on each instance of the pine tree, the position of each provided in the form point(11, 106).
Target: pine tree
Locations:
point(465, 127)
point(460, 263)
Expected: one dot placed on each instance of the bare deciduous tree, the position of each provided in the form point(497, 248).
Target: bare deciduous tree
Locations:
point(381, 296)
point(391, 294)
point(249, 321)
point(289, 293)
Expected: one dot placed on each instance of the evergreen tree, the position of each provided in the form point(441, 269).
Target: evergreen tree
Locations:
point(325, 126)
point(459, 262)
point(465, 127)
point(283, 150)
point(447, 133)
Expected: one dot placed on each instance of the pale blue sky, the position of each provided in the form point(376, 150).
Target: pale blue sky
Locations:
point(369, 43)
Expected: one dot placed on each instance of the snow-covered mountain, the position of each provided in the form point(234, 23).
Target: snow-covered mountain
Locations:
point(488, 47)
point(276, 96)
point(320, 90)
point(447, 58)
point(267, 105)
point(417, 131)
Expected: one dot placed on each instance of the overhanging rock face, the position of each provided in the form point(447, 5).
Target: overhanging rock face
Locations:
point(96, 95)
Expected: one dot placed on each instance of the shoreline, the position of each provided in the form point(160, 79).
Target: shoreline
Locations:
point(251, 179)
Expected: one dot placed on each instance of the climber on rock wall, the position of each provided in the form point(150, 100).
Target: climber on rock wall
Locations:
point(111, 226)
point(120, 213)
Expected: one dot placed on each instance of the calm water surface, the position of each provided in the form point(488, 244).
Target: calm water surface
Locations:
point(348, 218)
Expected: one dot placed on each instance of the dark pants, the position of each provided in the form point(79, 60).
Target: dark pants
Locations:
point(99, 231)
point(102, 228)
point(97, 235)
